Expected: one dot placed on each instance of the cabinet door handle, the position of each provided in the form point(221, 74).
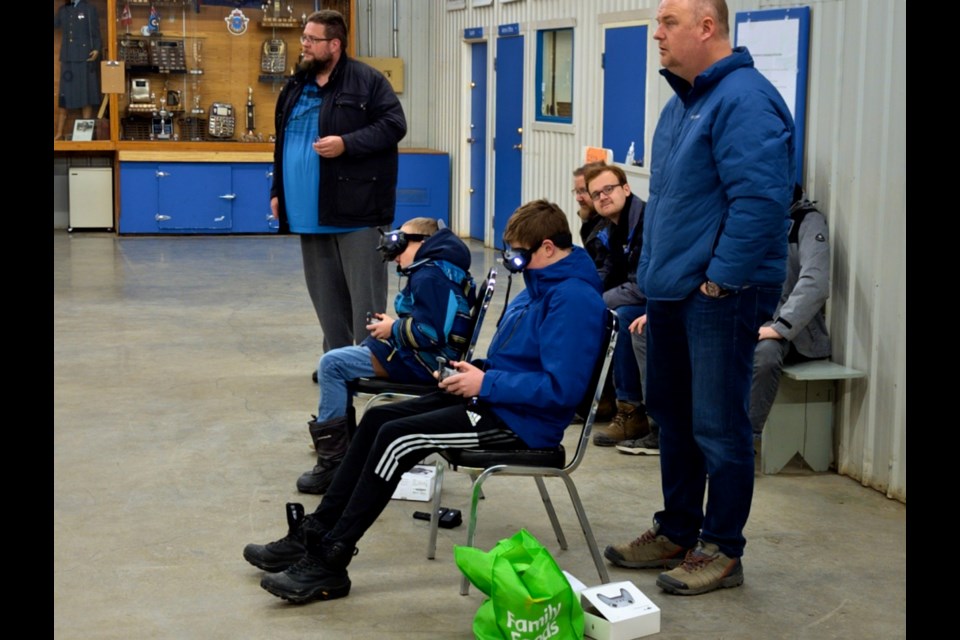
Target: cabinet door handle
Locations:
point(161, 218)
point(269, 174)
point(228, 196)
point(162, 174)
point(219, 218)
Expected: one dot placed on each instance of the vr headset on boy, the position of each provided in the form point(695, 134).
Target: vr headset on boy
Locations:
point(393, 243)
point(516, 260)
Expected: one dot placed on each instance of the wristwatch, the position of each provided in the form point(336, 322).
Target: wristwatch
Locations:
point(714, 290)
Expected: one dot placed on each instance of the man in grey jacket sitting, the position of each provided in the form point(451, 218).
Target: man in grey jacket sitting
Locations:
point(798, 330)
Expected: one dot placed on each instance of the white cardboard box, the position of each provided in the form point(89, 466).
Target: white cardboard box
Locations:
point(618, 611)
point(417, 484)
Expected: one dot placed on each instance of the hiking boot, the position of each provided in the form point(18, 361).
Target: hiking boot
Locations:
point(649, 551)
point(321, 574)
point(648, 445)
point(283, 553)
point(629, 423)
point(331, 439)
point(704, 569)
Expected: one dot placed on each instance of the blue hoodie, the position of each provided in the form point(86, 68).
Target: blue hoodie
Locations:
point(541, 358)
point(433, 310)
point(721, 182)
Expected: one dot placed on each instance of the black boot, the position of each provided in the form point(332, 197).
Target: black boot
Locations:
point(283, 553)
point(321, 574)
point(331, 439)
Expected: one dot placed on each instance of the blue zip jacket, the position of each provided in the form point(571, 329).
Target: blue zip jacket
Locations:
point(721, 182)
point(433, 311)
point(540, 359)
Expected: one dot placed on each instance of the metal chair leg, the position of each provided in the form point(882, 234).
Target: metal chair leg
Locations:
point(551, 512)
point(434, 515)
point(587, 530)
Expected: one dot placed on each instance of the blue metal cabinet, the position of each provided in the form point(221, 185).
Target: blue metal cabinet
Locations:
point(195, 197)
point(423, 187)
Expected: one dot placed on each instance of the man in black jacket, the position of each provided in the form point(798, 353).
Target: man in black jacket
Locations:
point(338, 122)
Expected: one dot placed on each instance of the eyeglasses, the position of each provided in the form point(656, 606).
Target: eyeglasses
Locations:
point(606, 191)
point(304, 39)
point(579, 192)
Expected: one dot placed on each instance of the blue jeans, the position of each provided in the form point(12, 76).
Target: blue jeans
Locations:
point(335, 369)
point(626, 369)
point(700, 361)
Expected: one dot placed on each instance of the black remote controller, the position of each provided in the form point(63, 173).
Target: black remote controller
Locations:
point(449, 518)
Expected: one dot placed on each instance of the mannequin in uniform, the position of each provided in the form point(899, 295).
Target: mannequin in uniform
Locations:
point(79, 52)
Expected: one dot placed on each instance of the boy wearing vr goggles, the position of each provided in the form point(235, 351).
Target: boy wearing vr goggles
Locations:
point(433, 322)
point(522, 395)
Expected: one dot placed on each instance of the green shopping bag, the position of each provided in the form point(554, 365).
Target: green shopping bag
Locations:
point(529, 597)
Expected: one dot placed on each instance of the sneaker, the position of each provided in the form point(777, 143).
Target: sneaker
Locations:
point(649, 551)
point(283, 553)
point(629, 423)
point(704, 569)
point(321, 574)
point(647, 445)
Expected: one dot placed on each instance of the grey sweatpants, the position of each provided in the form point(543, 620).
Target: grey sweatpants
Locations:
point(345, 279)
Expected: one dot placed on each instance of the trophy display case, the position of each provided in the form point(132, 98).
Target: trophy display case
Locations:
point(176, 73)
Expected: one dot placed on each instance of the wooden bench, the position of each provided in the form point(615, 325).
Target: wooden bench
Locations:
point(801, 419)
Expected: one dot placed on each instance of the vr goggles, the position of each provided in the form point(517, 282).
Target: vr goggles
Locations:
point(516, 260)
point(393, 243)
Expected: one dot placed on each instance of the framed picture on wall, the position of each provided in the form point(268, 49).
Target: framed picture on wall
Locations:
point(83, 129)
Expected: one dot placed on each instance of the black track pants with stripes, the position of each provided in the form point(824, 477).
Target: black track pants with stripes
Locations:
point(389, 441)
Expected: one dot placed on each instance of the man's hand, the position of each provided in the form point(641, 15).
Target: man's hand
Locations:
point(768, 333)
point(329, 146)
point(466, 382)
point(382, 328)
point(275, 208)
point(638, 324)
point(93, 55)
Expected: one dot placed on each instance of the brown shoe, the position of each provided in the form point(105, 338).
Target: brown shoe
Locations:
point(629, 423)
point(649, 551)
point(703, 569)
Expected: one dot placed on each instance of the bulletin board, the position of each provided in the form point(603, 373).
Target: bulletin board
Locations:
point(779, 41)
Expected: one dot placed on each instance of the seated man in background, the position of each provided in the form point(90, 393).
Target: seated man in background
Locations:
point(620, 237)
point(589, 218)
point(590, 224)
point(798, 330)
point(434, 321)
point(523, 395)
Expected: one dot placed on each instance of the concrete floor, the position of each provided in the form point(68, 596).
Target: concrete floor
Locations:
point(181, 393)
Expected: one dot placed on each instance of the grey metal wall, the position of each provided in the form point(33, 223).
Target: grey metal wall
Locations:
point(855, 165)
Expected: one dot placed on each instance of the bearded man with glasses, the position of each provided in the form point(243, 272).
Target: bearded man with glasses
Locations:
point(338, 122)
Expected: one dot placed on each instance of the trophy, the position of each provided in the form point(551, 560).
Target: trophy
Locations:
point(197, 48)
point(250, 118)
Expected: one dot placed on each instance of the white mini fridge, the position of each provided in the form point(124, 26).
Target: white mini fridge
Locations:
point(91, 198)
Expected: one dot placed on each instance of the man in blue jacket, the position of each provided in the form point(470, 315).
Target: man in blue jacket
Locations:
point(523, 395)
point(712, 267)
point(338, 122)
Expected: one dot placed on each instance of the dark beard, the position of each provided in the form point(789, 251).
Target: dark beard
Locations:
point(313, 66)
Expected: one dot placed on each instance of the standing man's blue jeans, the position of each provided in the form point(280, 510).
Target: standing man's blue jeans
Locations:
point(700, 361)
point(335, 369)
point(626, 368)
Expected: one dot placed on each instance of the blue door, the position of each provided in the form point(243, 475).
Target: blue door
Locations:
point(625, 91)
point(508, 143)
point(478, 139)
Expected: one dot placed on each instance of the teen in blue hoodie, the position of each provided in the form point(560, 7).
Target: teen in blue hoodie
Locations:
point(522, 396)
